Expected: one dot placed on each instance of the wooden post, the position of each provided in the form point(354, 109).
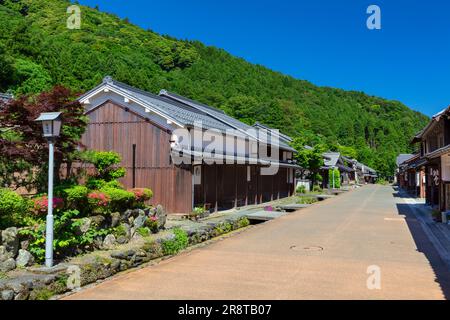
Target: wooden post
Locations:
point(216, 208)
point(235, 186)
point(134, 166)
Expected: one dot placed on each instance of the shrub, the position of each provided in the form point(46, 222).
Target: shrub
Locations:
point(142, 194)
point(317, 189)
point(95, 184)
point(67, 240)
point(98, 201)
point(337, 178)
point(40, 205)
point(143, 231)
point(152, 224)
point(76, 197)
point(12, 208)
point(222, 228)
point(198, 212)
point(105, 162)
point(175, 245)
point(243, 222)
point(301, 189)
point(307, 200)
point(120, 200)
point(120, 231)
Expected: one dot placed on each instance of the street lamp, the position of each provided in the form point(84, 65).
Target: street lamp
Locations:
point(51, 125)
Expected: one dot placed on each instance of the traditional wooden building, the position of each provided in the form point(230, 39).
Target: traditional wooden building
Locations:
point(335, 160)
point(351, 170)
point(4, 97)
point(410, 175)
point(190, 154)
point(434, 142)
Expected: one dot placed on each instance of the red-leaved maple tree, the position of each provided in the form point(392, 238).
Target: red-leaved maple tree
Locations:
point(23, 149)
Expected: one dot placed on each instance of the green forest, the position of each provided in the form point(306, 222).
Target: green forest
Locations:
point(38, 51)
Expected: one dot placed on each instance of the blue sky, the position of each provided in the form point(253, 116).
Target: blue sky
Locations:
point(323, 41)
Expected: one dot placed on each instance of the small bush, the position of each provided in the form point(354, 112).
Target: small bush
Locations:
point(98, 201)
point(317, 189)
point(337, 178)
point(223, 228)
point(12, 208)
point(152, 224)
point(120, 231)
point(301, 189)
point(307, 200)
point(142, 194)
point(243, 222)
point(106, 164)
point(177, 244)
point(40, 205)
point(120, 200)
point(42, 294)
point(198, 212)
point(76, 197)
point(143, 231)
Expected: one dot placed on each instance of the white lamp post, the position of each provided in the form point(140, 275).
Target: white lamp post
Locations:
point(51, 124)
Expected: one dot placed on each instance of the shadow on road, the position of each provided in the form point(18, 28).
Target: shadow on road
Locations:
point(424, 245)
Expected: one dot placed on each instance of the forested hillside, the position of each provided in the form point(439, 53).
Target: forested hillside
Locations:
point(37, 51)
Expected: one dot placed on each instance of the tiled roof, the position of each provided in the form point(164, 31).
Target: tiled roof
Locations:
point(5, 96)
point(184, 111)
point(331, 158)
point(403, 157)
point(282, 136)
point(217, 115)
point(434, 118)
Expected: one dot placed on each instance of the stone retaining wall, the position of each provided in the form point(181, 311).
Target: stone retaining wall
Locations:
point(43, 283)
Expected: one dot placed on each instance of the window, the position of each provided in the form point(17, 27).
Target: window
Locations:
point(249, 177)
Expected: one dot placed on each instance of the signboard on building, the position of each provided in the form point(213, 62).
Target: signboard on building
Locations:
point(445, 167)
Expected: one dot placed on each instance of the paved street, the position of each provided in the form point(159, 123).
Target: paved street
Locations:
point(282, 259)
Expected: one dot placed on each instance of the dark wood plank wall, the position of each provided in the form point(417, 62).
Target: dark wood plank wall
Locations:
point(226, 186)
point(112, 127)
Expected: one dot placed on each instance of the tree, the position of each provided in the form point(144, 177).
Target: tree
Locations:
point(348, 151)
point(33, 78)
point(334, 175)
point(45, 53)
point(6, 71)
point(309, 159)
point(243, 108)
point(23, 149)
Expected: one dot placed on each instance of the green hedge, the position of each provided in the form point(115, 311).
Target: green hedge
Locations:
point(12, 208)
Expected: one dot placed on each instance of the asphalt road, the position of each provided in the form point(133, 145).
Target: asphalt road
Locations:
point(322, 252)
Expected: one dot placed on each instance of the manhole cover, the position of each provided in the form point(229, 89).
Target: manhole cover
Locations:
point(307, 250)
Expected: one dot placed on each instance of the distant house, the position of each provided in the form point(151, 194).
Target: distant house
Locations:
point(4, 97)
point(351, 170)
point(334, 160)
point(156, 135)
point(410, 174)
point(365, 173)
